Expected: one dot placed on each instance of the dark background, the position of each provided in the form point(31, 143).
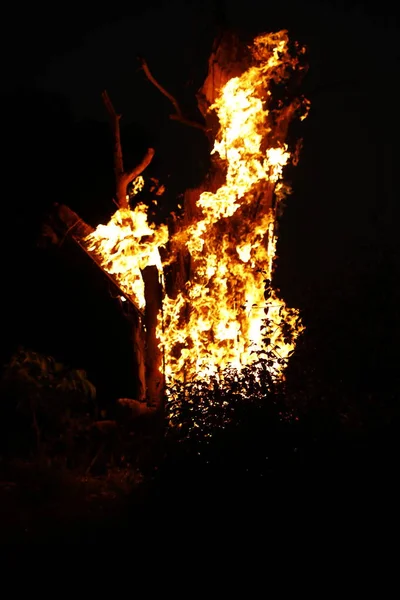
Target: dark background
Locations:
point(338, 247)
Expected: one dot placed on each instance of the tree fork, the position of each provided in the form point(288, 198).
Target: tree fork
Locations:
point(123, 178)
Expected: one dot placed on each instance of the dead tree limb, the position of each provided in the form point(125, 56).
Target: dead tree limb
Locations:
point(122, 178)
point(178, 116)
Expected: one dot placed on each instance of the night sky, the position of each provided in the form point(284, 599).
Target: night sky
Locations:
point(338, 243)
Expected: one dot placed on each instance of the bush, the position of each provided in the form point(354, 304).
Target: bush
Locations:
point(44, 403)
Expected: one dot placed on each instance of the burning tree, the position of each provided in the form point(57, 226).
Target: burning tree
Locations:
point(197, 283)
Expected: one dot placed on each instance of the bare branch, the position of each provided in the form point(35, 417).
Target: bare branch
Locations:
point(188, 122)
point(154, 81)
point(178, 116)
point(115, 118)
point(148, 157)
point(109, 106)
point(128, 177)
point(122, 179)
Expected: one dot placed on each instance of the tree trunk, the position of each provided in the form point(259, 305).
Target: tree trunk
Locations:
point(140, 356)
point(153, 357)
point(228, 59)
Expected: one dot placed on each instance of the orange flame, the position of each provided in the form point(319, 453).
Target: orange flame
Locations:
point(216, 320)
point(233, 245)
point(126, 245)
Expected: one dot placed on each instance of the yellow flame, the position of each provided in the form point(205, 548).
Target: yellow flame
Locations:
point(233, 245)
point(126, 245)
point(216, 319)
point(137, 185)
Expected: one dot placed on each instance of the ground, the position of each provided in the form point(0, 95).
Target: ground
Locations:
point(48, 505)
point(345, 478)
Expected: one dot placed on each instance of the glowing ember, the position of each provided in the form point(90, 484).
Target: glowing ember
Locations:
point(216, 319)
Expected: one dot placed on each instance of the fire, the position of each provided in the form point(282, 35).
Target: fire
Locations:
point(128, 244)
point(233, 245)
point(216, 320)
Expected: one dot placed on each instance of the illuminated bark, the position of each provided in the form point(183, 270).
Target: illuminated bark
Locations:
point(123, 178)
point(153, 356)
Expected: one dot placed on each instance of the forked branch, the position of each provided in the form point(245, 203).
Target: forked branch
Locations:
point(114, 118)
point(131, 175)
point(122, 178)
point(178, 116)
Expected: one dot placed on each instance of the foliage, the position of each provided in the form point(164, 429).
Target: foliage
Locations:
point(44, 397)
point(35, 372)
point(201, 407)
point(226, 437)
point(234, 427)
point(198, 409)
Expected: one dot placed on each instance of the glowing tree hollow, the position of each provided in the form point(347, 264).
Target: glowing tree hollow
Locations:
point(223, 247)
